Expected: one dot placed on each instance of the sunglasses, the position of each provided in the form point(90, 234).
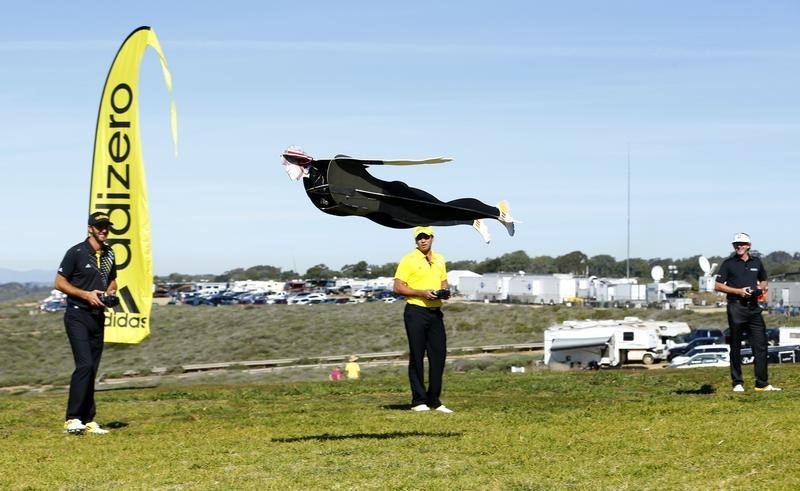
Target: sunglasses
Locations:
point(423, 237)
point(740, 244)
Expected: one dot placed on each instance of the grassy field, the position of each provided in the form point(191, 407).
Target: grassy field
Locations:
point(615, 429)
point(542, 429)
point(35, 349)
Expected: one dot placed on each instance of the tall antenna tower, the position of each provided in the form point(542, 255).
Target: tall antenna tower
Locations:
point(628, 253)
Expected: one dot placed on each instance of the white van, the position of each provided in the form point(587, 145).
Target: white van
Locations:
point(705, 348)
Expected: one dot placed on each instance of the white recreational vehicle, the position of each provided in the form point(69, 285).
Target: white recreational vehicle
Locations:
point(608, 342)
point(789, 336)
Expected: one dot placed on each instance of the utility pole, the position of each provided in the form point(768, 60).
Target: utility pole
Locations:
point(628, 254)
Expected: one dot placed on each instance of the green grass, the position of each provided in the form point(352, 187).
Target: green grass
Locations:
point(616, 429)
point(292, 429)
point(35, 349)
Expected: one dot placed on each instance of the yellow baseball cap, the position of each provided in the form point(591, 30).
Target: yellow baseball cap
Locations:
point(423, 230)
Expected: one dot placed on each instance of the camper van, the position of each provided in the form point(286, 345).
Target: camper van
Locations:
point(789, 336)
point(578, 344)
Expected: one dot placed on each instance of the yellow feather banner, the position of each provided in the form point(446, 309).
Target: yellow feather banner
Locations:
point(118, 187)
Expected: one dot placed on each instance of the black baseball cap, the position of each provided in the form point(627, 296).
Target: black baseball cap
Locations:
point(99, 218)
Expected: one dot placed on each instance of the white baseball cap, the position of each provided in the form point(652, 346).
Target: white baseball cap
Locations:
point(741, 237)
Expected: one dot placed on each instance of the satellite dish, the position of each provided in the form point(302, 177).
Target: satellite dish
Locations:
point(657, 273)
point(704, 265)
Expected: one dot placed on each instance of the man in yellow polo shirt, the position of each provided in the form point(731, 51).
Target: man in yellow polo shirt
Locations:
point(422, 278)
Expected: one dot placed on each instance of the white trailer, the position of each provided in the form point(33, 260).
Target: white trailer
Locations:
point(541, 289)
point(608, 342)
point(492, 287)
point(788, 336)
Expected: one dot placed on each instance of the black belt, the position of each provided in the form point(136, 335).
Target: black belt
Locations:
point(422, 307)
point(86, 309)
point(743, 301)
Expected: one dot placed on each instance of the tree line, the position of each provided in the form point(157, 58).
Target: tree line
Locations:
point(778, 264)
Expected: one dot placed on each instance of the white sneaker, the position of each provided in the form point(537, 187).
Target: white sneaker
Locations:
point(482, 229)
point(421, 407)
point(738, 388)
point(444, 409)
point(505, 217)
point(768, 388)
point(74, 426)
point(95, 429)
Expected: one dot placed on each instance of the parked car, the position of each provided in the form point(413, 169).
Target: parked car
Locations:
point(295, 297)
point(703, 360)
point(198, 301)
point(706, 348)
point(681, 349)
point(389, 300)
point(697, 333)
point(250, 298)
point(55, 306)
point(773, 337)
point(276, 298)
point(224, 299)
point(308, 298)
point(363, 292)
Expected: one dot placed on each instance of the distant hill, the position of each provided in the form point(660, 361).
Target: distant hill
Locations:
point(33, 276)
point(11, 291)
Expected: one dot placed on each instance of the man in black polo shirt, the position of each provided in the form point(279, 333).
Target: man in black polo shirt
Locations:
point(743, 278)
point(87, 271)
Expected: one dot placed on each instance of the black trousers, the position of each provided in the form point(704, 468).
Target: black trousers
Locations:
point(397, 205)
point(747, 318)
point(426, 334)
point(85, 333)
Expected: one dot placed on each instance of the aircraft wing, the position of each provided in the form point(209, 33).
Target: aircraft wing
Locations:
point(434, 160)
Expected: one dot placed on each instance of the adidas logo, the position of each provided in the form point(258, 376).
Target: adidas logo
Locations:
point(87, 266)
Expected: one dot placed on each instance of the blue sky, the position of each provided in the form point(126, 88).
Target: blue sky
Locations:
point(537, 102)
